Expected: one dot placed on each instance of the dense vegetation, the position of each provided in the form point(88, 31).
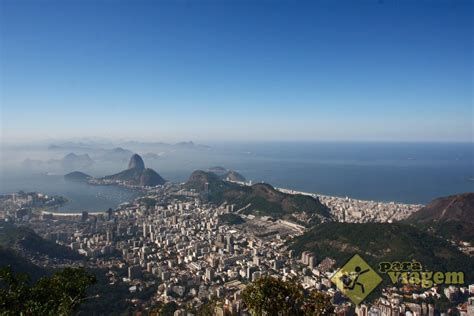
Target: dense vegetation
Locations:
point(378, 242)
point(231, 219)
point(452, 230)
point(272, 296)
point(60, 294)
point(199, 178)
point(267, 296)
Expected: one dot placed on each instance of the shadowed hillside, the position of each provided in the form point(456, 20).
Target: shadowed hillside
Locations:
point(25, 240)
point(451, 217)
point(258, 199)
point(9, 258)
point(378, 242)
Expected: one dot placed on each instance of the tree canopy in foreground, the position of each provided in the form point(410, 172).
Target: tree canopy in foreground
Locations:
point(60, 294)
point(272, 296)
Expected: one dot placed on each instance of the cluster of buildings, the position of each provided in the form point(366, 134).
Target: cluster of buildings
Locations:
point(19, 206)
point(360, 211)
point(187, 249)
point(172, 245)
point(122, 183)
point(395, 305)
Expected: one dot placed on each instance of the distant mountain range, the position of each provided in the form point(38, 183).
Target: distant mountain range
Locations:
point(85, 155)
point(130, 145)
point(258, 199)
point(73, 160)
point(151, 156)
point(68, 162)
point(115, 154)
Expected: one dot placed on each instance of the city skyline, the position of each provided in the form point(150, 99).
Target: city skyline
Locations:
point(237, 71)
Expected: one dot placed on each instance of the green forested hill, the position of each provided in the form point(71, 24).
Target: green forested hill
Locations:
point(258, 199)
point(231, 219)
point(378, 242)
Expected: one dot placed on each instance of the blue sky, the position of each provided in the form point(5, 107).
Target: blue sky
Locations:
point(237, 70)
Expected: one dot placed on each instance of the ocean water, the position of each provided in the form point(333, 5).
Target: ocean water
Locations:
point(81, 196)
point(400, 172)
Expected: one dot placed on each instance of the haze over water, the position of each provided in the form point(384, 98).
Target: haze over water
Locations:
point(81, 196)
point(401, 172)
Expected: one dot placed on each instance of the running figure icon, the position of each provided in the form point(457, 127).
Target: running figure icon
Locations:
point(356, 279)
point(350, 281)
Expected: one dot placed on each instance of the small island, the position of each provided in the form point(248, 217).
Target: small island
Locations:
point(77, 176)
point(135, 176)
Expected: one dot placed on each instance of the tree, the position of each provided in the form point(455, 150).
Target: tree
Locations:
point(318, 304)
point(166, 309)
point(60, 294)
point(209, 308)
point(272, 296)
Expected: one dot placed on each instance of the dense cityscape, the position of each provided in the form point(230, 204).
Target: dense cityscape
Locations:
point(171, 242)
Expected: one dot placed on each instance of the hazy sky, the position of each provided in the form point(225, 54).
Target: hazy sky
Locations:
point(237, 70)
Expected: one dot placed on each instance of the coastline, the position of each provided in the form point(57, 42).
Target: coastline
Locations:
point(71, 214)
point(290, 191)
point(318, 195)
point(283, 190)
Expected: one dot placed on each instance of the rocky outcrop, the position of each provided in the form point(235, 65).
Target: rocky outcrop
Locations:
point(136, 162)
point(137, 174)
